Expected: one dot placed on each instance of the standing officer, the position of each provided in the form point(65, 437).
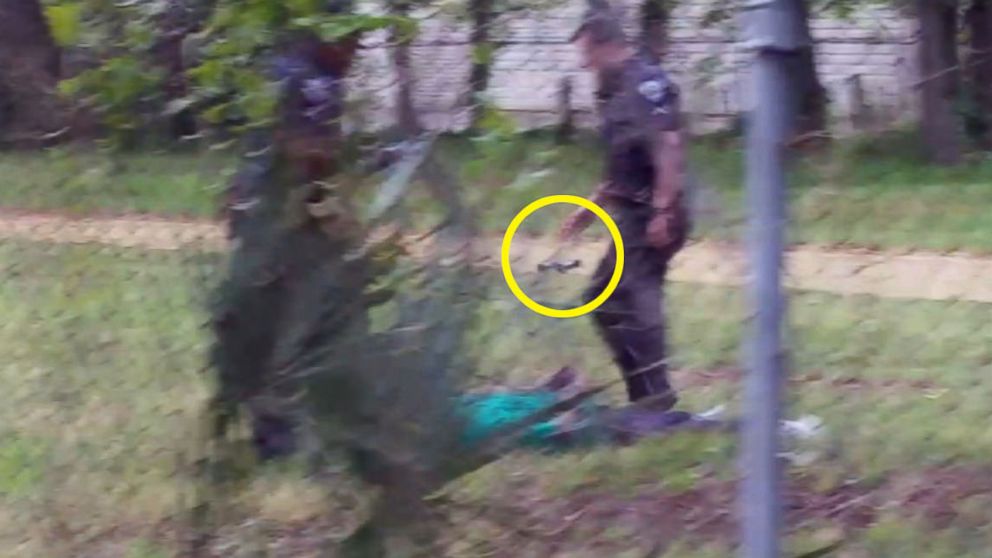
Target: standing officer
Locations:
point(283, 221)
point(643, 189)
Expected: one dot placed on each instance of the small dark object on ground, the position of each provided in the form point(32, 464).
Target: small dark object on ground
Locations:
point(560, 267)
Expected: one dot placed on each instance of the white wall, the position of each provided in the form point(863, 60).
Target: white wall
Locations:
point(878, 44)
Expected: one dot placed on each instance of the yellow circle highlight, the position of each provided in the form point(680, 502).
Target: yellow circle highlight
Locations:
point(512, 282)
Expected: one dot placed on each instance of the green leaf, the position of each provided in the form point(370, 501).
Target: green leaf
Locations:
point(71, 87)
point(337, 27)
point(306, 22)
point(224, 16)
point(259, 105)
point(482, 54)
point(272, 12)
point(209, 72)
point(64, 20)
point(406, 28)
point(216, 114)
point(138, 36)
point(303, 7)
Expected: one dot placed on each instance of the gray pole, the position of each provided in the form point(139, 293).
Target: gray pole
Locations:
point(773, 34)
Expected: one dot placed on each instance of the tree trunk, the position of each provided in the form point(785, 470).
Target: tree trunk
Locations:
point(861, 117)
point(811, 99)
point(173, 26)
point(406, 113)
point(940, 77)
point(655, 15)
point(29, 73)
point(566, 126)
point(481, 12)
point(979, 119)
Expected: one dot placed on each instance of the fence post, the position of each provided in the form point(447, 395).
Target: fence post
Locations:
point(774, 34)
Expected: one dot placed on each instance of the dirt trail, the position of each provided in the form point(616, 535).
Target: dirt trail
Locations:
point(129, 232)
point(884, 274)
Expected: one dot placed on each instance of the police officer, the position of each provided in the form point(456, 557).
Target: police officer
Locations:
point(643, 191)
point(294, 159)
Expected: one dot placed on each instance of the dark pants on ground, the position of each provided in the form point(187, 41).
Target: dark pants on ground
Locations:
point(631, 321)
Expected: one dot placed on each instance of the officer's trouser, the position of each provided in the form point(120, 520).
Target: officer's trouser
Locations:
point(631, 321)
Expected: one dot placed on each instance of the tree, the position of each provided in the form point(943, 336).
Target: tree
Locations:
point(124, 84)
point(406, 114)
point(485, 18)
point(811, 101)
point(654, 18)
point(175, 21)
point(141, 72)
point(978, 19)
point(940, 84)
point(482, 14)
point(810, 96)
point(29, 73)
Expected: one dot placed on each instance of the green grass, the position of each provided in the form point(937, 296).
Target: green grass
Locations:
point(102, 353)
point(101, 376)
point(874, 192)
point(871, 192)
point(84, 181)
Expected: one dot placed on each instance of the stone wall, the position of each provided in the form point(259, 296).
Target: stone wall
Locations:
point(875, 47)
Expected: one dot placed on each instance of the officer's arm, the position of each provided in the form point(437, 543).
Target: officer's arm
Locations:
point(599, 194)
point(662, 130)
point(583, 217)
point(668, 154)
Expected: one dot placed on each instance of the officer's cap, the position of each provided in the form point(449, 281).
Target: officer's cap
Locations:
point(602, 23)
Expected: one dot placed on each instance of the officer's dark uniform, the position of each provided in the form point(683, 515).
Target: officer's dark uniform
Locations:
point(312, 104)
point(637, 104)
point(297, 152)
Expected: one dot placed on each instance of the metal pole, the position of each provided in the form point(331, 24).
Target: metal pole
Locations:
point(774, 36)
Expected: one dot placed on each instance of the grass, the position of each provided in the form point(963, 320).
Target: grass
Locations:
point(85, 181)
point(102, 353)
point(871, 192)
point(103, 350)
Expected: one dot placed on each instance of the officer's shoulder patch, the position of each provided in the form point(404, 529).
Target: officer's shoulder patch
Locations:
point(655, 96)
point(657, 89)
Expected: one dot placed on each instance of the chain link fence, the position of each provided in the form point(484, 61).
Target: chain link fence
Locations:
point(885, 445)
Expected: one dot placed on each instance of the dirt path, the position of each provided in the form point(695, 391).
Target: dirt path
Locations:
point(890, 275)
point(129, 232)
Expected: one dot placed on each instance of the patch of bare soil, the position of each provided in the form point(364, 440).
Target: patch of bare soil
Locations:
point(607, 524)
point(693, 378)
point(128, 232)
point(928, 276)
point(522, 521)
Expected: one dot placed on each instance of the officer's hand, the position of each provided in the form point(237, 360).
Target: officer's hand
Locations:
point(659, 231)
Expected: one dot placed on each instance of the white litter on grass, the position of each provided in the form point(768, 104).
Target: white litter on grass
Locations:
point(712, 414)
point(800, 458)
point(804, 428)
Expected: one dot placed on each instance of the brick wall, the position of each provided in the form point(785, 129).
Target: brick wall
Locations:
point(877, 45)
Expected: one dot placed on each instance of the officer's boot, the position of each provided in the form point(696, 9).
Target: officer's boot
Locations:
point(650, 388)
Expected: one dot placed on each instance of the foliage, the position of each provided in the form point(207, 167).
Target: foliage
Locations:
point(64, 22)
point(239, 34)
point(123, 88)
point(228, 74)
